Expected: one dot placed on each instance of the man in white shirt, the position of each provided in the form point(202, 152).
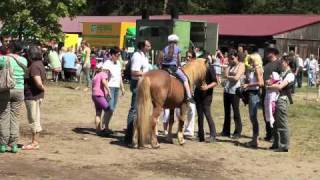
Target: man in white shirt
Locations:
point(139, 66)
point(312, 68)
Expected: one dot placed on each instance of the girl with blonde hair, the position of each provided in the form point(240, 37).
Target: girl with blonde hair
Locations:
point(254, 82)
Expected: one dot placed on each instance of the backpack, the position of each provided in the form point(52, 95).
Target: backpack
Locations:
point(7, 81)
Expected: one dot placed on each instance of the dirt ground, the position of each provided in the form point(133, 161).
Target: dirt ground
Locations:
point(71, 150)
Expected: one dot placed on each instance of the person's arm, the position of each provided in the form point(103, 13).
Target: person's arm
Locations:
point(280, 86)
point(38, 82)
point(62, 61)
point(179, 60)
point(122, 87)
point(305, 63)
point(297, 69)
point(88, 52)
point(226, 71)
point(222, 59)
point(160, 58)
point(106, 86)
point(289, 78)
point(209, 86)
point(298, 66)
point(239, 73)
point(214, 82)
point(76, 61)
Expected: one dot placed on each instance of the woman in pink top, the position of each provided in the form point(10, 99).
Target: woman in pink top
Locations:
point(100, 93)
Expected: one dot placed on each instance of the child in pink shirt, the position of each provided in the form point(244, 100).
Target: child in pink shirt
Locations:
point(271, 98)
point(100, 94)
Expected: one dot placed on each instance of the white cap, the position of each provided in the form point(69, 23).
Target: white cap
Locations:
point(173, 38)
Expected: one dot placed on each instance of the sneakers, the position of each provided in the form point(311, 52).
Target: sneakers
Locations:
point(273, 147)
point(252, 144)
point(14, 148)
point(236, 136)
point(3, 148)
point(268, 138)
point(282, 150)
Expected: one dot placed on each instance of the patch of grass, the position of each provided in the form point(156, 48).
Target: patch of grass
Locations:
point(304, 124)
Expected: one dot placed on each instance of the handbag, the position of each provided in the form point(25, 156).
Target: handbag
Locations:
point(7, 81)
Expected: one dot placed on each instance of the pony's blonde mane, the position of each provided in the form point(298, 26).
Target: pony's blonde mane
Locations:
point(195, 70)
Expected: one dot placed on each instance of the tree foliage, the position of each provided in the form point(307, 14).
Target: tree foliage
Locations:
point(37, 19)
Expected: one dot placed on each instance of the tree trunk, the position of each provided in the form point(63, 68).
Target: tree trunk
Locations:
point(20, 29)
point(165, 6)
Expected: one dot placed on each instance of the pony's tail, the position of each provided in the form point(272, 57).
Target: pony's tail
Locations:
point(144, 108)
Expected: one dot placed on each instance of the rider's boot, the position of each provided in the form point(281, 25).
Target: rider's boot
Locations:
point(188, 91)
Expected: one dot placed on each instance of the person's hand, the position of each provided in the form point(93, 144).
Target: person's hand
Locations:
point(204, 87)
point(123, 91)
point(268, 82)
point(245, 86)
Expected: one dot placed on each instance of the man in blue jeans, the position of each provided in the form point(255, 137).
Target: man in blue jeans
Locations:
point(139, 66)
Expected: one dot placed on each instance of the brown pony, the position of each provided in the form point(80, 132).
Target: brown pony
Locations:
point(157, 90)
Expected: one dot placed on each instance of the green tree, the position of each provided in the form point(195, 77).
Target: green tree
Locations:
point(30, 19)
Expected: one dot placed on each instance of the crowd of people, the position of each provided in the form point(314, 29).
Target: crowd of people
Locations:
point(243, 76)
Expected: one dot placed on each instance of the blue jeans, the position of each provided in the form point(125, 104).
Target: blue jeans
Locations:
point(254, 101)
point(132, 110)
point(311, 77)
point(86, 70)
point(181, 75)
point(114, 93)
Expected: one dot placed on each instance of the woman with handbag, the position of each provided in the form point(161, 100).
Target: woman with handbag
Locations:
point(11, 98)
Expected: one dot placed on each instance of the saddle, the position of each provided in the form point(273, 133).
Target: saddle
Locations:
point(172, 71)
